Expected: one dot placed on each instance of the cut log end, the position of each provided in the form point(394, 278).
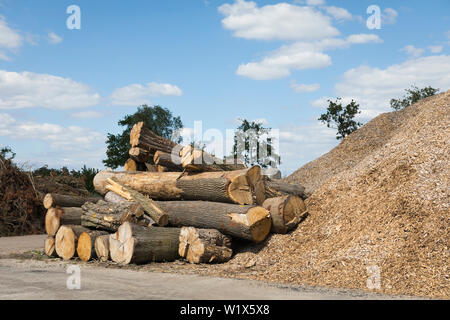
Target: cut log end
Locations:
point(49, 247)
point(52, 221)
point(239, 190)
point(65, 242)
point(135, 134)
point(48, 201)
point(84, 248)
point(102, 248)
point(286, 212)
point(259, 222)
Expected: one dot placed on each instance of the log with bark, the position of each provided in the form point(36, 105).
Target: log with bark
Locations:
point(86, 244)
point(66, 240)
point(276, 188)
point(142, 137)
point(113, 197)
point(53, 199)
point(139, 154)
point(224, 186)
point(132, 165)
point(137, 244)
point(197, 160)
point(102, 248)
point(204, 245)
point(286, 212)
point(56, 217)
point(167, 160)
point(245, 222)
point(49, 247)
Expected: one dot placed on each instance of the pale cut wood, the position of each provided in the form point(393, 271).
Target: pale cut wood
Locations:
point(286, 212)
point(49, 247)
point(142, 137)
point(139, 154)
point(132, 165)
point(204, 245)
point(245, 222)
point(60, 200)
point(198, 160)
point(86, 244)
point(102, 248)
point(171, 162)
point(137, 244)
point(66, 240)
point(55, 217)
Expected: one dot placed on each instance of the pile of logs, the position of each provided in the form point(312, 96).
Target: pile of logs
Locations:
point(185, 204)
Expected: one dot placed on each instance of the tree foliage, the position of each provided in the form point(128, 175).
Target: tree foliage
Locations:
point(7, 153)
point(412, 96)
point(158, 119)
point(254, 145)
point(341, 117)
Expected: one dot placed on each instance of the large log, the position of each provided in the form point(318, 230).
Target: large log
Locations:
point(139, 154)
point(66, 240)
point(86, 244)
point(52, 200)
point(142, 137)
point(102, 248)
point(245, 222)
point(172, 162)
point(204, 245)
point(56, 217)
point(224, 186)
point(137, 244)
point(197, 160)
point(286, 212)
point(49, 247)
point(276, 188)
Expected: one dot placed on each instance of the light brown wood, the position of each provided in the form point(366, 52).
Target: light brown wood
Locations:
point(86, 244)
point(132, 165)
point(49, 247)
point(55, 217)
point(139, 154)
point(102, 248)
point(66, 240)
point(204, 245)
point(286, 212)
point(53, 199)
point(167, 160)
point(197, 160)
point(142, 137)
point(137, 244)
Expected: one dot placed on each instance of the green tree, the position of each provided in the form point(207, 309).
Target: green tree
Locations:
point(253, 145)
point(412, 96)
point(7, 153)
point(341, 118)
point(158, 119)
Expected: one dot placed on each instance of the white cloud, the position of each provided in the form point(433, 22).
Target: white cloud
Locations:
point(54, 38)
point(435, 49)
point(413, 51)
point(29, 90)
point(373, 87)
point(389, 16)
point(305, 87)
point(10, 39)
point(299, 56)
point(137, 94)
point(338, 13)
point(315, 2)
point(87, 115)
point(281, 21)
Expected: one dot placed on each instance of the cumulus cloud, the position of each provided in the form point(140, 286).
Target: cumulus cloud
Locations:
point(338, 13)
point(53, 38)
point(10, 39)
point(389, 16)
point(282, 21)
point(87, 115)
point(435, 49)
point(137, 94)
point(413, 51)
point(305, 87)
point(29, 90)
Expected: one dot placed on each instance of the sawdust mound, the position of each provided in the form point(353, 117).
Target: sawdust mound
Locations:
point(21, 210)
point(381, 203)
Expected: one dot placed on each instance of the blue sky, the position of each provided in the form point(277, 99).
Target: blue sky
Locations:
point(62, 91)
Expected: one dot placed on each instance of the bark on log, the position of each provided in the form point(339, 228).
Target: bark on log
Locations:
point(49, 247)
point(204, 245)
point(66, 240)
point(197, 160)
point(86, 244)
point(109, 216)
point(56, 217)
point(149, 206)
point(286, 212)
point(275, 188)
point(245, 222)
point(142, 137)
point(172, 163)
point(102, 248)
point(113, 197)
point(52, 200)
point(137, 244)
point(132, 165)
point(224, 186)
point(139, 154)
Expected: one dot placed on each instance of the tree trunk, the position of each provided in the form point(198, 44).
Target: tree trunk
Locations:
point(173, 163)
point(225, 186)
point(142, 137)
point(197, 160)
point(137, 244)
point(139, 154)
point(102, 248)
point(275, 188)
point(86, 244)
point(286, 212)
point(245, 222)
point(66, 240)
point(57, 217)
point(49, 247)
point(52, 200)
point(132, 165)
point(149, 206)
point(109, 216)
point(204, 245)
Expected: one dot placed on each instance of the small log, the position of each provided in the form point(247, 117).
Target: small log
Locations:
point(204, 245)
point(286, 212)
point(86, 244)
point(149, 206)
point(142, 137)
point(132, 165)
point(49, 247)
point(139, 154)
point(197, 160)
point(167, 160)
point(52, 200)
point(137, 244)
point(245, 222)
point(66, 240)
point(102, 247)
point(56, 217)
point(276, 188)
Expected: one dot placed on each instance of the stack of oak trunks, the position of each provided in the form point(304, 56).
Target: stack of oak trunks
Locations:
point(171, 202)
